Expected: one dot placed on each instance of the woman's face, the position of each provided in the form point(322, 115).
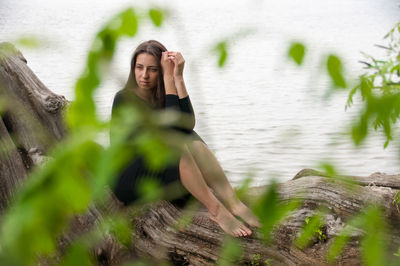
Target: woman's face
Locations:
point(146, 71)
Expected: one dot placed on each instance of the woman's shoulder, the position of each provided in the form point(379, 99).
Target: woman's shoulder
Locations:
point(120, 97)
point(128, 97)
point(125, 95)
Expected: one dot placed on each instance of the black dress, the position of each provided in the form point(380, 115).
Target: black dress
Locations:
point(127, 182)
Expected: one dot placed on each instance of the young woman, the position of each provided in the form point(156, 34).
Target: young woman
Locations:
point(156, 77)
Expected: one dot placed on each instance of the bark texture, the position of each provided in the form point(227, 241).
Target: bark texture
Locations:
point(31, 122)
point(199, 243)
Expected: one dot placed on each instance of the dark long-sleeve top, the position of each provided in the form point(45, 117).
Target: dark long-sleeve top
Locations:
point(128, 180)
point(184, 106)
point(186, 122)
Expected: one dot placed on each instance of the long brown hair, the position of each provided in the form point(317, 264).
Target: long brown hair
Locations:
point(155, 49)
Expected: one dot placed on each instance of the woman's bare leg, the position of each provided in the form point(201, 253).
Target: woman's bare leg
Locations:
point(192, 179)
point(216, 179)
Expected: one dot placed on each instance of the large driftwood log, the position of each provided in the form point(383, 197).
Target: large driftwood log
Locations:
point(30, 119)
point(156, 236)
point(199, 244)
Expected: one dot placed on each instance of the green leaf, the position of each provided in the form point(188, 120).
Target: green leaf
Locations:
point(129, 23)
point(77, 254)
point(366, 86)
point(310, 230)
point(335, 71)
point(338, 245)
point(221, 49)
point(156, 16)
point(374, 242)
point(386, 144)
point(122, 229)
point(244, 187)
point(328, 169)
point(230, 253)
point(350, 97)
point(31, 41)
point(271, 211)
point(296, 52)
point(360, 131)
point(82, 112)
point(150, 190)
point(154, 149)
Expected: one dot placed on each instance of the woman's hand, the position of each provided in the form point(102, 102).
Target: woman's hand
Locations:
point(179, 63)
point(167, 65)
point(173, 64)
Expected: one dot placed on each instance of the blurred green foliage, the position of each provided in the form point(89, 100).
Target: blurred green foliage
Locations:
point(297, 52)
point(30, 41)
point(379, 90)
point(335, 71)
point(157, 16)
point(77, 252)
point(255, 260)
point(231, 252)
point(312, 229)
point(374, 244)
point(150, 190)
point(82, 113)
point(222, 47)
point(80, 168)
point(271, 211)
point(241, 192)
point(329, 169)
point(221, 50)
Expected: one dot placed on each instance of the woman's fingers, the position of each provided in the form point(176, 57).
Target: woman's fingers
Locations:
point(165, 55)
point(167, 64)
point(172, 54)
point(166, 58)
point(177, 60)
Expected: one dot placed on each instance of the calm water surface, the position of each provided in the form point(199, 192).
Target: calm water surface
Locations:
point(260, 114)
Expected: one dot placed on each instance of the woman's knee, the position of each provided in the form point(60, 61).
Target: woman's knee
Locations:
point(186, 157)
point(187, 164)
point(195, 146)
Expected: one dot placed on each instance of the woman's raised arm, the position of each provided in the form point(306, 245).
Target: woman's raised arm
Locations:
point(168, 74)
point(184, 100)
point(173, 64)
point(179, 64)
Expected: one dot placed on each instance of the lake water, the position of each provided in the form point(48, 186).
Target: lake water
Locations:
point(260, 114)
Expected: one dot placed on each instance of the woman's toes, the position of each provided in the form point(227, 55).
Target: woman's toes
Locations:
point(248, 231)
point(229, 223)
point(237, 233)
point(244, 232)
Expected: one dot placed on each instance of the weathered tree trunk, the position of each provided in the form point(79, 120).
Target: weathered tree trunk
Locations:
point(158, 238)
point(30, 119)
point(34, 109)
point(199, 243)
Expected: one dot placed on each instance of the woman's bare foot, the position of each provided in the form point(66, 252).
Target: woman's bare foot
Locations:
point(242, 211)
point(228, 222)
